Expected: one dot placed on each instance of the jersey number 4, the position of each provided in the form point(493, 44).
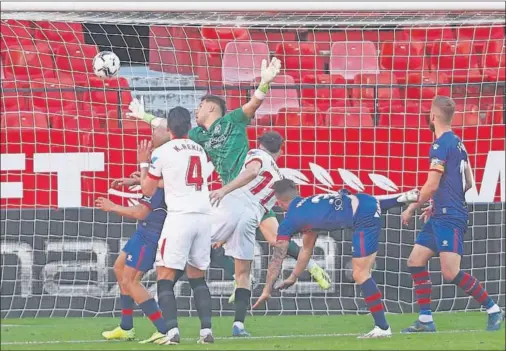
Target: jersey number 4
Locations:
point(194, 173)
point(266, 179)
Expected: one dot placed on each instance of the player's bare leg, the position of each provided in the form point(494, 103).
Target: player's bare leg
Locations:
point(202, 300)
point(132, 280)
point(242, 296)
point(451, 272)
point(126, 329)
point(417, 263)
point(269, 229)
point(361, 272)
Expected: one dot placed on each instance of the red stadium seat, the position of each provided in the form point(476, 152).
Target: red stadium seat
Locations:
point(28, 62)
point(417, 92)
point(242, 61)
point(295, 116)
point(277, 99)
point(386, 96)
point(480, 35)
point(457, 60)
point(324, 97)
point(130, 124)
point(406, 116)
point(104, 95)
point(353, 57)
point(403, 58)
point(73, 120)
point(15, 33)
point(14, 100)
point(299, 59)
point(24, 119)
point(430, 35)
point(225, 33)
point(52, 94)
point(358, 116)
point(495, 114)
point(75, 60)
point(494, 61)
point(467, 115)
point(58, 33)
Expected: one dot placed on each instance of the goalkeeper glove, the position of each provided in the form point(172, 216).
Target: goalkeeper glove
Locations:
point(268, 74)
point(136, 108)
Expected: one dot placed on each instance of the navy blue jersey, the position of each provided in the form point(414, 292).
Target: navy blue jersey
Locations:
point(319, 212)
point(155, 220)
point(449, 156)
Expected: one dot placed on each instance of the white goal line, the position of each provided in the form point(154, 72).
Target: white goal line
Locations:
point(264, 337)
point(251, 6)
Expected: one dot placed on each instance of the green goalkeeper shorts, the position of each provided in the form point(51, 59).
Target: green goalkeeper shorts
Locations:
point(270, 214)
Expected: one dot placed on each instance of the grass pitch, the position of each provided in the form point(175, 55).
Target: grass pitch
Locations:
point(456, 331)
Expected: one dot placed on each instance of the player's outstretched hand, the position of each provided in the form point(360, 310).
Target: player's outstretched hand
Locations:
point(216, 196)
point(118, 183)
point(136, 108)
point(264, 297)
point(144, 151)
point(269, 72)
point(104, 204)
point(287, 283)
point(406, 216)
point(426, 213)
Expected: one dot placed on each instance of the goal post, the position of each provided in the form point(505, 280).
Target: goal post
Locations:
point(351, 103)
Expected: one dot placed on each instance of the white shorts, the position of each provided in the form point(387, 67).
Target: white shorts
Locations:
point(185, 238)
point(235, 221)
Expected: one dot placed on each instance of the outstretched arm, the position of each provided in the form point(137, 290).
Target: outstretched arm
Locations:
point(426, 193)
point(138, 212)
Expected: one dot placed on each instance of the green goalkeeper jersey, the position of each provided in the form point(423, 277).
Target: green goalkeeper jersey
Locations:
point(225, 142)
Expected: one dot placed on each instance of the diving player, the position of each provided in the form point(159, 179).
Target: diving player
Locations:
point(449, 178)
point(224, 138)
point(361, 212)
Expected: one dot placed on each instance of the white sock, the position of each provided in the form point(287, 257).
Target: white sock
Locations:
point(425, 318)
point(240, 325)
point(494, 309)
point(311, 264)
point(173, 332)
point(204, 332)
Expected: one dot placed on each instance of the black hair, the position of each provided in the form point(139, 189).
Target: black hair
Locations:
point(284, 186)
point(216, 100)
point(272, 141)
point(178, 121)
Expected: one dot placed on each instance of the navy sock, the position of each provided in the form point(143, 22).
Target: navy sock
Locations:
point(473, 287)
point(153, 312)
point(422, 286)
point(167, 303)
point(127, 308)
point(202, 300)
point(241, 302)
point(373, 299)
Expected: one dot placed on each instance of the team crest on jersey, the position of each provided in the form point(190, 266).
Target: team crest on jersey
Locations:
point(435, 146)
point(218, 129)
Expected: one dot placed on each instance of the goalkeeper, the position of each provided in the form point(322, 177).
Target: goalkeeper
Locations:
point(224, 137)
point(361, 212)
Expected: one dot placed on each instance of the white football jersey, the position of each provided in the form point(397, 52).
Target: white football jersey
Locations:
point(180, 163)
point(259, 190)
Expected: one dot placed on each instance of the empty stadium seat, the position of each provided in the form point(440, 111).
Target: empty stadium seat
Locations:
point(104, 95)
point(242, 61)
point(53, 94)
point(370, 95)
point(323, 97)
point(495, 114)
point(73, 120)
point(24, 119)
point(457, 60)
point(480, 35)
point(277, 99)
point(298, 116)
point(130, 124)
point(405, 116)
point(353, 57)
point(430, 35)
point(28, 62)
point(357, 116)
point(299, 59)
point(423, 87)
point(14, 99)
point(494, 61)
point(467, 115)
point(75, 60)
point(403, 58)
point(58, 33)
point(17, 33)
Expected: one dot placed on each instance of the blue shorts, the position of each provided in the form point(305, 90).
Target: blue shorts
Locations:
point(141, 250)
point(443, 235)
point(367, 226)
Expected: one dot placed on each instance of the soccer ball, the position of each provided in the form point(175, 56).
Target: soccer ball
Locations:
point(106, 64)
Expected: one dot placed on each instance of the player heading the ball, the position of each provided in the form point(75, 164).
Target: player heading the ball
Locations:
point(329, 212)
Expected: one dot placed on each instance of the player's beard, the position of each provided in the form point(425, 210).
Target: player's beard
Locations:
point(431, 125)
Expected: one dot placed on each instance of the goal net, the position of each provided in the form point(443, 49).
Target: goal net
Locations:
point(351, 102)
